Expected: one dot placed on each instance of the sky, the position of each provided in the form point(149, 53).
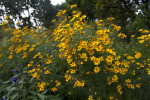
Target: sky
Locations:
point(55, 2)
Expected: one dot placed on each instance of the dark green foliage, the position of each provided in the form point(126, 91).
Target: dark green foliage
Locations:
point(30, 12)
point(87, 7)
point(131, 15)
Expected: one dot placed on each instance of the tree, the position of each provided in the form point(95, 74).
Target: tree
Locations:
point(127, 13)
point(30, 12)
point(85, 6)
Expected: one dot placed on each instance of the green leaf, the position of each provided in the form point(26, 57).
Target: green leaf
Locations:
point(7, 82)
point(45, 91)
point(13, 97)
point(10, 88)
point(52, 97)
point(32, 98)
point(33, 92)
point(42, 97)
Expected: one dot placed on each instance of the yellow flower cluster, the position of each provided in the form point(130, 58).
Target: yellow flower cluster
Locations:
point(110, 18)
point(73, 6)
point(79, 51)
point(79, 84)
point(61, 12)
point(117, 28)
point(122, 35)
point(4, 23)
point(137, 55)
point(83, 55)
point(130, 86)
point(113, 79)
point(54, 89)
point(41, 85)
point(145, 37)
point(38, 55)
point(90, 97)
point(119, 89)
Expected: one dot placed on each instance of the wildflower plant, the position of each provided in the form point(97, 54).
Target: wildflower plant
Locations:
point(73, 61)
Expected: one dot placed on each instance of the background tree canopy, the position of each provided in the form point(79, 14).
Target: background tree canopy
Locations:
point(131, 15)
point(37, 12)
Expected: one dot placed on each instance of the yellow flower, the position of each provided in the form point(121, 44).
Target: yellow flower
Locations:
point(109, 59)
point(98, 98)
point(57, 83)
point(79, 84)
point(73, 64)
point(38, 55)
point(24, 55)
point(97, 61)
point(111, 98)
point(138, 55)
point(141, 41)
point(29, 65)
point(18, 23)
point(47, 72)
point(34, 74)
point(87, 73)
point(77, 26)
point(116, 27)
point(99, 48)
point(67, 77)
point(110, 18)
point(41, 86)
point(119, 89)
point(48, 61)
point(82, 17)
point(96, 69)
point(140, 30)
point(69, 93)
point(4, 23)
point(132, 35)
point(130, 86)
point(115, 78)
point(54, 89)
point(133, 73)
point(138, 85)
point(130, 57)
point(92, 58)
point(1, 65)
point(122, 35)
point(84, 56)
point(148, 72)
point(127, 80)
point(72, 71)
point(53, 20)
point(99, 22)
point(73, 6)
point(7, 18)
point(90, 97)
point(145, 31)
point(10, 56)
point(31, 49)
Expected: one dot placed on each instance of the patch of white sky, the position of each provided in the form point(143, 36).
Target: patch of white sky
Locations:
point(55, 2)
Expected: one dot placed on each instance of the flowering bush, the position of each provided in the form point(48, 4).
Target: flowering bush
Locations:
point(74, 61)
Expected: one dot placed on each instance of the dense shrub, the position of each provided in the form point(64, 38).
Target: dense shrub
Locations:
point(74, 61)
